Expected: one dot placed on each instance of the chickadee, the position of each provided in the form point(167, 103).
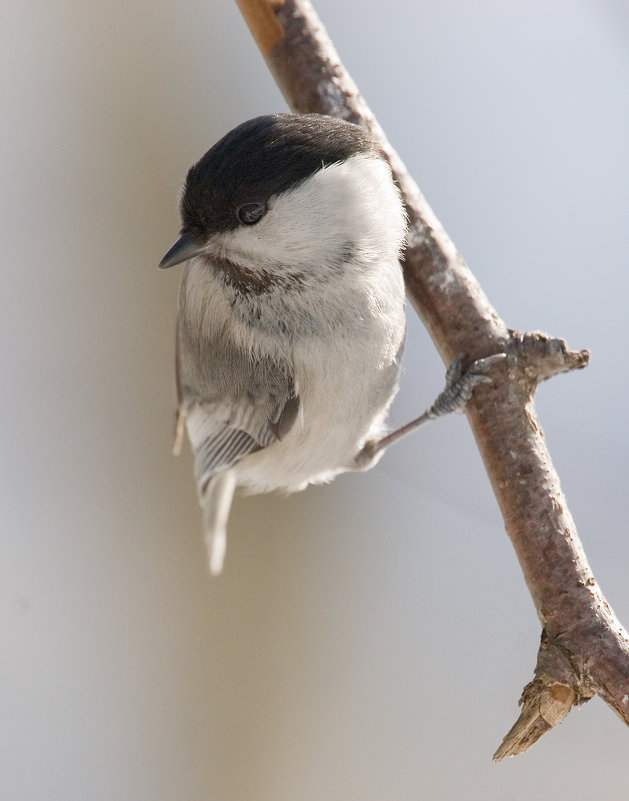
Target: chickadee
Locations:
point(291, 310)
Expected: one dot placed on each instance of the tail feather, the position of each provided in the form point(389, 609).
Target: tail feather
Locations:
point(216, 503)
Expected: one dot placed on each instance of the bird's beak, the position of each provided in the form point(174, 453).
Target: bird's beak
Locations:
point(183, 249)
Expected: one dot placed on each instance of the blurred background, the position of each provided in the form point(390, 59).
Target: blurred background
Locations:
point(368, 640)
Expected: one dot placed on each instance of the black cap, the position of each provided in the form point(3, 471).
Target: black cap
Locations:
point(260, 158)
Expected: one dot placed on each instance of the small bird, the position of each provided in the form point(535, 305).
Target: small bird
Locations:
point(291, 319)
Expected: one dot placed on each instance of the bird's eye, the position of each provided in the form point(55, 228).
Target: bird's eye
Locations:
point(250, 213)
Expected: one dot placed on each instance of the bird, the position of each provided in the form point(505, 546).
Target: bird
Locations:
point(291, 320)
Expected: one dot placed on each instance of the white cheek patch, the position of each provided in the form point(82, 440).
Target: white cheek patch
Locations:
point(352, 204)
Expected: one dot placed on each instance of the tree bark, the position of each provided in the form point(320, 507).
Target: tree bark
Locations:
point(584, 649)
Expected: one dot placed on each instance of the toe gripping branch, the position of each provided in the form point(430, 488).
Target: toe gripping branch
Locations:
point(460, 385)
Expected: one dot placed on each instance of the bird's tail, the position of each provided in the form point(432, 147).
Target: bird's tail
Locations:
point(216, 503)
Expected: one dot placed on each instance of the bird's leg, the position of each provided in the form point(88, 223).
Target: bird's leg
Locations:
point(454, 398)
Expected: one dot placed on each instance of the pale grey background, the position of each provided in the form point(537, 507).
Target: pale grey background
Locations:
point(368, 640)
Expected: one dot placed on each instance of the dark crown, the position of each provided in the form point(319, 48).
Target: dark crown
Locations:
point(263, 157)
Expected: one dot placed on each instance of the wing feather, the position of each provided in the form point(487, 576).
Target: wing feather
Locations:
point(222, 433)
point(234, 402)
point(216, 446)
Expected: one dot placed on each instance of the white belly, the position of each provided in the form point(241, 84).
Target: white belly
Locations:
point(345, 392)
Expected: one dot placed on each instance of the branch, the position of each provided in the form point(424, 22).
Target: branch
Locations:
point(584, 649)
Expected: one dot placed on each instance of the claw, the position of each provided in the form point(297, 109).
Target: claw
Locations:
point(460, 386)
point(454, 371)
point(480, 366)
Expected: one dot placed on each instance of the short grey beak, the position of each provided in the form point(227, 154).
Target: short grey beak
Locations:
point(183, 249)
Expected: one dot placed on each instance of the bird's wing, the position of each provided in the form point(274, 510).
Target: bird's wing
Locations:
point(222, 433)
point(224, 426)
point(234, 402)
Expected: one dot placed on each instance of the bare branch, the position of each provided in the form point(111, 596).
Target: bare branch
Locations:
point(584, 650)
point(547, 699)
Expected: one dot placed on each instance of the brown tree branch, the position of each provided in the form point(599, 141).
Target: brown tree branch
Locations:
point(584, 649)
